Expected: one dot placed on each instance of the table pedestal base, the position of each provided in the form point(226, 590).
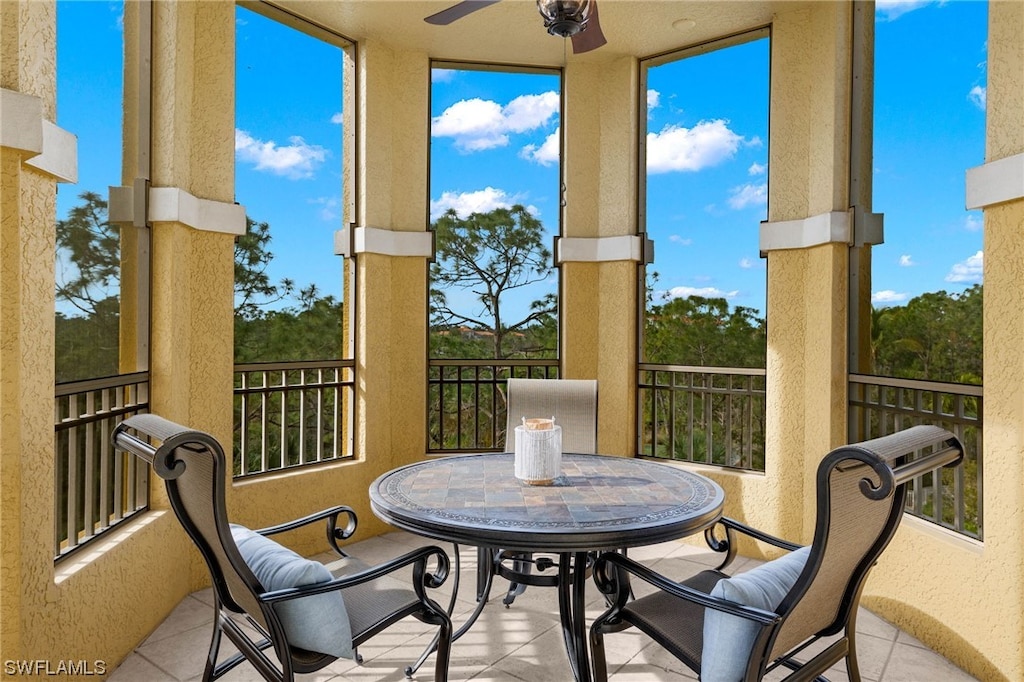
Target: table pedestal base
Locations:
point(570, 584)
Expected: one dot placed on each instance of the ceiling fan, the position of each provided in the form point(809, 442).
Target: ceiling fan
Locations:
point(566, 18)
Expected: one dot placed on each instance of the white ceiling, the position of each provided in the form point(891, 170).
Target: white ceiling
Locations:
point(512, 31)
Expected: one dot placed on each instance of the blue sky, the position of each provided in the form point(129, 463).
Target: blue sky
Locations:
point(494, 142)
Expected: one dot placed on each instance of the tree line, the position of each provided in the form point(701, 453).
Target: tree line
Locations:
point(492, 256)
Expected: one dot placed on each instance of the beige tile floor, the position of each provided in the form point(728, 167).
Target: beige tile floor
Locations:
point(520, 643)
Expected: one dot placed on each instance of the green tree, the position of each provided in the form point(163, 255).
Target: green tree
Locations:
point(309, 329)
point(88, 282)
point(254, 291)
point(704, 332)
point(935, 336)
point(490, 255)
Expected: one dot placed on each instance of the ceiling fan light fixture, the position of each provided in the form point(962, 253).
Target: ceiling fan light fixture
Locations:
point(564, 18)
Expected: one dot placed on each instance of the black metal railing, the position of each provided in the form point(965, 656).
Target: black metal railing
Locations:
point(96, 488)
point(707, 415)
point(466, 408)
point(290, 414)
point(883, 405)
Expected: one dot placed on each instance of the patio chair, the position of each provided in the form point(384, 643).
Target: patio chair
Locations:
point(573, 404)
point(736, 628)
point(308, 613)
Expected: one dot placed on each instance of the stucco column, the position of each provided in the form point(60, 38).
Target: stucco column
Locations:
point(599, 251)
point(1001, 585)
point(27, 210)
point(807, 278)
point(391, 269)
point(193, 260)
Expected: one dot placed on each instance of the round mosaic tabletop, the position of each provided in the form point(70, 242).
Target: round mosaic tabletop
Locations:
point(599, 502)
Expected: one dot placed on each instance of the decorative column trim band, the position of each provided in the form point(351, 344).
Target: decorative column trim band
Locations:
point(834, 227)
point(599, 249)
point(995, 182)
point(354, 239)
point(174, 205)
point(48, 148)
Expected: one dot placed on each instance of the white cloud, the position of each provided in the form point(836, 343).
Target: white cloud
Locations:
point(546, 154)
point(748, 195)
point(973, 222)
point(746, 263)
point(527, 112)
point(338, 118)
point(968, 271)
point(677, 148)
point(480, 201)
point(478, 124)
point(706, 292)
point(757, 169)
point(682, 241)
point(890, 10)
point(906, 261)
point(979, 96)
point(474, 123)
point(888, 297)
point(653, 99)
point(328, 207)
point(296, 160)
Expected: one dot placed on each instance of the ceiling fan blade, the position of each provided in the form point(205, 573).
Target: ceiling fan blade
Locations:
point(592, 37)
point(457, 11)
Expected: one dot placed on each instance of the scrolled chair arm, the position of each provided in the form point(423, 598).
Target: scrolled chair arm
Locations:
point(334, 533)
point(727, 544)
point(430, 579)
point(418, 558)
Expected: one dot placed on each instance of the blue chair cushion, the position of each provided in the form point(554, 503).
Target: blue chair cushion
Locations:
point(728, 639)
point(315, 623)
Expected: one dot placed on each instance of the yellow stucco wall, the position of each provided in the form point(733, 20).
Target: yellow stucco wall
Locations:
point(599, 300)
point(100, 603)
point(26, 345)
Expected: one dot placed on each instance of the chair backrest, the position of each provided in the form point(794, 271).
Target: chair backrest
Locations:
point(861, 492)
point(572, 402)
point(192, 465)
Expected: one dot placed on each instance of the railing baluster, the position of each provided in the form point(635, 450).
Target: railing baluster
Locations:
point(119, 484)
point(106, 453)
point(90, 494)
point(687, 411)
point(72, 491)
point(307, 405)
point(465, 404)
point(921, 402)
point(264, 423)
point(89, 470)
point(242, 465)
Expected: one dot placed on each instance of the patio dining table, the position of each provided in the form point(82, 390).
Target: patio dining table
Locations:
point(598, 503)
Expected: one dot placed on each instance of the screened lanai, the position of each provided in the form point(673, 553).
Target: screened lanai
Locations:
point(388, 360)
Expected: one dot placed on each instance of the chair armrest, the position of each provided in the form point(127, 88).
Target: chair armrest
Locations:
point(333, 532)
point(421, 578)
point(728, 543)
point(614, 578)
